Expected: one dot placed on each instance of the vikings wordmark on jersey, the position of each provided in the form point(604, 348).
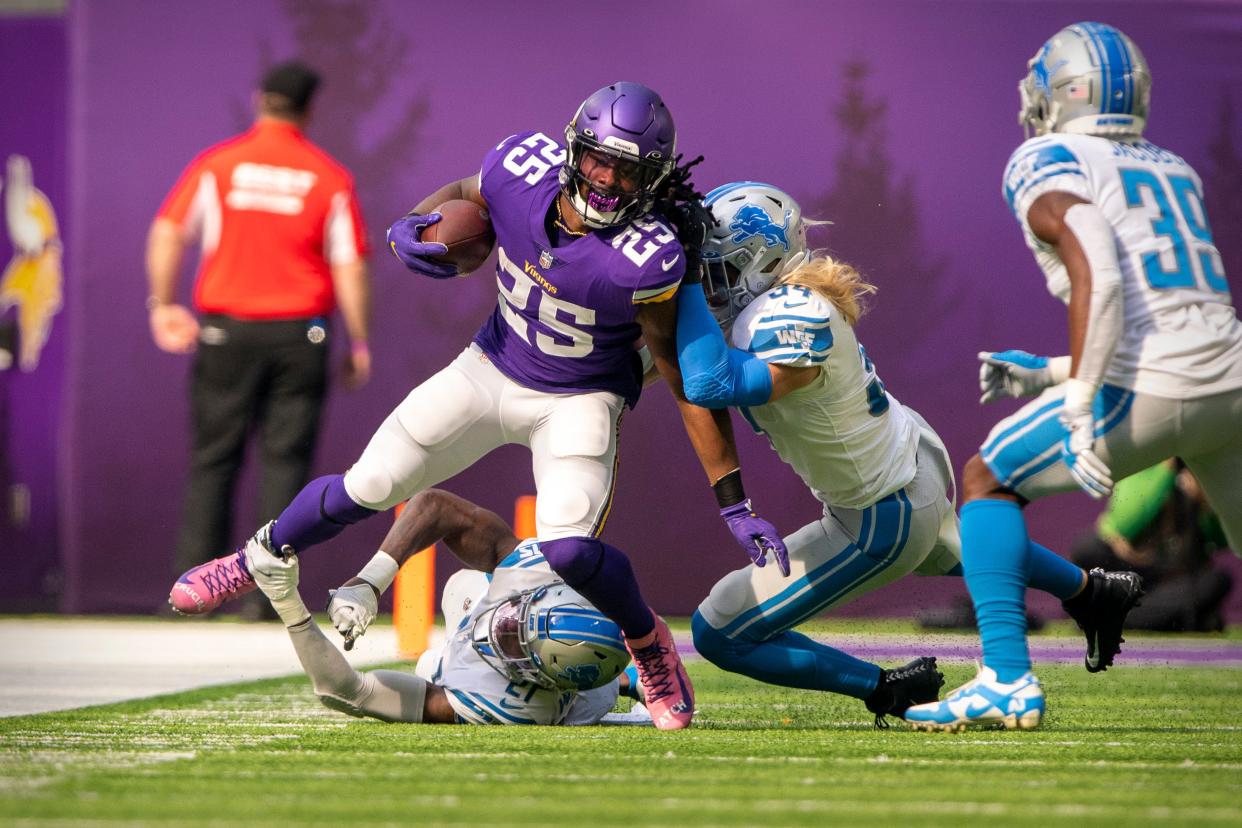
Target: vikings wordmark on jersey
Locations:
point(565, 320)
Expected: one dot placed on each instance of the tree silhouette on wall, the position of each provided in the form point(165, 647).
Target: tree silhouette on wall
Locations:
point(876, 228)
point(374, 124)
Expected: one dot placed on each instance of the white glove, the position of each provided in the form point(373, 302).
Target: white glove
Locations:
point(352, 609)
point(1090, 472)
point(1004, 374)
point(277, 578)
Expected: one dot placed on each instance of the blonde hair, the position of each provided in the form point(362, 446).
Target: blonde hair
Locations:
point(836, 281)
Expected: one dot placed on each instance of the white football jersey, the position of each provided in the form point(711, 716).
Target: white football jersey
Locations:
point(479, 694)
point(849, 440)
point(1182, 338)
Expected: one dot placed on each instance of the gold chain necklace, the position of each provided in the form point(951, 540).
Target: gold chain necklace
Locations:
point(560, 220)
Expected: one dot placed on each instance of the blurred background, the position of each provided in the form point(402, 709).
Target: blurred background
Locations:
point(893, 120)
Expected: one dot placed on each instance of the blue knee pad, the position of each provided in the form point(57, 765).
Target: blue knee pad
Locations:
point(576, 560)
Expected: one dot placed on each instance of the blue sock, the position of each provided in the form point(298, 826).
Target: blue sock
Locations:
point(319, 512)
point(789, 659)
point(1050, 573)
point(996, 561)
point(1053, 574)
point(604, 576)
point(632, 690)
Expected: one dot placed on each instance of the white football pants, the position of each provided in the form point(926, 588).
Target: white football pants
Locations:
point(470, 408)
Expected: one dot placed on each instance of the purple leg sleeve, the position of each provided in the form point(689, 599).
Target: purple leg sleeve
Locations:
point(319, 512)
point(603, 575)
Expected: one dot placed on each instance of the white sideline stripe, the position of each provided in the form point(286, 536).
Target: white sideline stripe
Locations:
point(62, 663)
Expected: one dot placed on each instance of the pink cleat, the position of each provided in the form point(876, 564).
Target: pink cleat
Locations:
point(205, 587)
point(666, 687)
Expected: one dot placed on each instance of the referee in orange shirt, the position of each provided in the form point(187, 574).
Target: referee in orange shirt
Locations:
point(283, 245)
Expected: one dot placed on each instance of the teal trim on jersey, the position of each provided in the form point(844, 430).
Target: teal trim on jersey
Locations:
point(1046, 160)
point(516, 557)
point(482, 716)
point(791, 340)
point(882, 535)
point(498, 712)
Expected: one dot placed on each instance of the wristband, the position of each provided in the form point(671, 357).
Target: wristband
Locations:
point(380, 571)
point(728, 489)
point(359, 346)
point(154, 302)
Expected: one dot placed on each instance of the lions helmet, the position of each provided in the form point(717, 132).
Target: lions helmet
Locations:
point(759, 236)
point(551, 637)
point(1089, 78)
point(627, 127)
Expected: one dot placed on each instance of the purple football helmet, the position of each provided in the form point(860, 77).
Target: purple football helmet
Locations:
point(624, 127)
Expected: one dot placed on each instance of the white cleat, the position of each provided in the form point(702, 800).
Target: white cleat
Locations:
point(983, 702)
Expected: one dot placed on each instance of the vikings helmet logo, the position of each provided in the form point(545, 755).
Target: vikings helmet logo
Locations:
point(32, 280)
point(753, 220)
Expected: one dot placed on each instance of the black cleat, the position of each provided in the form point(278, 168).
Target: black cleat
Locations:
point(918, 682)
point(1102, 613)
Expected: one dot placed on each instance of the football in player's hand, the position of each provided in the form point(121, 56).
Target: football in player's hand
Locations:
point(465, 229)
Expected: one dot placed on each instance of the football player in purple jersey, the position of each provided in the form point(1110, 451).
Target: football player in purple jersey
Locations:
point(586, 269)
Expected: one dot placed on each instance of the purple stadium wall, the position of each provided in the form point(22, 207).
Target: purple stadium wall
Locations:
point(33, 105)
point(893, 120)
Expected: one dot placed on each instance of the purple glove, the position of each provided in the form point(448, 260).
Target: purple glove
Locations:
point(414, 254)
point(756, 535)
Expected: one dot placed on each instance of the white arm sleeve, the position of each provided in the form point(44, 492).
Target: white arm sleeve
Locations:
point(1105, 316)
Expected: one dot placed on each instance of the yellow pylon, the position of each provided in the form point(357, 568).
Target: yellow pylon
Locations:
point(414, 601)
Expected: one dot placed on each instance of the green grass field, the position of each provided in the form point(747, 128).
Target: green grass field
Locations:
point(1135, 745)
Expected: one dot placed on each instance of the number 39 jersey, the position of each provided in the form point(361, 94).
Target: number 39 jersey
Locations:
point(565, 320)
point(849, 440)
point(1182, 338)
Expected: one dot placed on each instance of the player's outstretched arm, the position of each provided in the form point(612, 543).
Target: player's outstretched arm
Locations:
point(1084, 241)
point(479, 538)
point(711, 433)
point(387, 695)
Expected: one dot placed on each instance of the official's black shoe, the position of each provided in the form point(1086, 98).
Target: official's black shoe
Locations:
point(918, 682)
point(1101, 612)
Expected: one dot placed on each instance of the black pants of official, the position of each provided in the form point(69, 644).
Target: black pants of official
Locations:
point(265, 378)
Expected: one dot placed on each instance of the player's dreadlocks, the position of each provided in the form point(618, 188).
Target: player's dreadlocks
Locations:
point(683, 206)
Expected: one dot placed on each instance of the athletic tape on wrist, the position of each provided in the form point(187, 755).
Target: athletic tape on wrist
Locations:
point(380, 571)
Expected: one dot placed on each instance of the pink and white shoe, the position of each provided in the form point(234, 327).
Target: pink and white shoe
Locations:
point(666, 687)
point(205, 587)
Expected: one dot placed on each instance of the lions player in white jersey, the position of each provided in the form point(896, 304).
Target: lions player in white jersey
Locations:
point(1117, 224)
point(523, 648)
point(798, 375)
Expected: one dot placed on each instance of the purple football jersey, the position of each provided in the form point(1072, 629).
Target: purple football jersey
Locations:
point(565, 319)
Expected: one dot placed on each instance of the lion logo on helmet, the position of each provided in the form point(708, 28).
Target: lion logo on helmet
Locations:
point(582, 676)
point(753, 220)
